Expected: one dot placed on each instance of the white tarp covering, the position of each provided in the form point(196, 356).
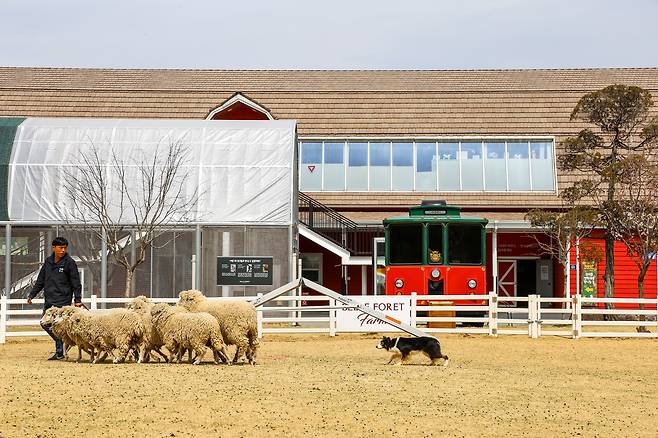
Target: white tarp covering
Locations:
point(244, 170)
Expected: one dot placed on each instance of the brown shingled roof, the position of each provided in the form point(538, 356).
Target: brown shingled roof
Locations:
point(336, 104)
point(324, 80)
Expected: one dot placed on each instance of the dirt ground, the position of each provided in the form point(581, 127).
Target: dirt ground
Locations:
point(321, 386)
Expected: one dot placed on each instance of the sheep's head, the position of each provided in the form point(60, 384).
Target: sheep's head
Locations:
point(62, 314)
point(190, 299)
point(140, 304)
point(160, 309)
point(49, 316)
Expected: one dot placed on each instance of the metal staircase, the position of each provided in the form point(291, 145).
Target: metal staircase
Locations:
point(327, 222)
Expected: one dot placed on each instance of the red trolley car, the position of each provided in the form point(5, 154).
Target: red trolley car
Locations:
point(436, 251)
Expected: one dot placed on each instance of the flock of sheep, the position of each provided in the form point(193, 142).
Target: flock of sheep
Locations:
point(143, 328)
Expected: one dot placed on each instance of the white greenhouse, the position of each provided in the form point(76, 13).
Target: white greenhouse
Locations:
point(235, 181)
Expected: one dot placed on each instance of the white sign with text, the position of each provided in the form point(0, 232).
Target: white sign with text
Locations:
point(353, 320)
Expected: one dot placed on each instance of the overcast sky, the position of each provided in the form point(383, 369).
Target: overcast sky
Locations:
point(333, 34)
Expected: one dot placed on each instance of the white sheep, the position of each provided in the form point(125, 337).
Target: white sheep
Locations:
point(237, 321)
point(186, 330)
point(119, 329)
point(151, 341)
point(63, 324)
point(51, 319)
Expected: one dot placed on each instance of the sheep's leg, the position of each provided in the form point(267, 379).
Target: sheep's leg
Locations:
point(251, 353)
point(67, 347)
point(221, 355)
point(189, 355)
point(143, 355)
point(157, 350)
point(79, 354)
point(102, 354)
point(199, 351)
point(240, 349)
point(124, 350)
point(173, 351)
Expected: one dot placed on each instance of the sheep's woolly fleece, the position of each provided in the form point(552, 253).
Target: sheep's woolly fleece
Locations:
point(184, 330)
point(151, 340)
point(120, 329)
point(237, 321)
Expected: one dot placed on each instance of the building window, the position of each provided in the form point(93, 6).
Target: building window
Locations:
point(312, 266)
point(501, 165)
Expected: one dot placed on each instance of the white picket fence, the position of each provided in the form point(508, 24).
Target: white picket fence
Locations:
point(574, 317)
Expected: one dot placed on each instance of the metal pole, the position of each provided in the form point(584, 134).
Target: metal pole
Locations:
point(197, 253)
point(103, 263)
point(494, 258)
point(7, 260)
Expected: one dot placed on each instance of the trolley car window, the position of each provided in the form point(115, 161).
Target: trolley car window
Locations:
point(465, 244)
point(405, 244)
point(435, 244)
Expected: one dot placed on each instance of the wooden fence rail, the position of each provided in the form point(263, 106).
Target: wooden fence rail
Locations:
point(533, 316)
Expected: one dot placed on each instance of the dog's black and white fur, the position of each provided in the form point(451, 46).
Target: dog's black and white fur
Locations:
point(402, 348)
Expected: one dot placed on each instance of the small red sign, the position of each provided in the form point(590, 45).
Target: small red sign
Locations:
point(311, 168)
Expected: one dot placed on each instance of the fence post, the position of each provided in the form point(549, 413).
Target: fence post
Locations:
point(538, 315)
point(332, 318)
point(94, 302)
point(413, 309)
point(259, 318)
point(532, 317)
point(575, 317)
point(493, 314)
point(656, 317)
point(3, 318)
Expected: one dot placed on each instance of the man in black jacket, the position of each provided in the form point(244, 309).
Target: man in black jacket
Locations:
point(60, 280)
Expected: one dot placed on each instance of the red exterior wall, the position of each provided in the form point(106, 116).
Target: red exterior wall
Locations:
point(239, 111)
point(513, 245)
point(509, 245)
point(331, 269)
point(626, 273)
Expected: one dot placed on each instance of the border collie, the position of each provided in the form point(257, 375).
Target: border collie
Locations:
point(402, 348)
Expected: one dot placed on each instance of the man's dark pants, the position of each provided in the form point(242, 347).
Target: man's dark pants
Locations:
point(59, 345)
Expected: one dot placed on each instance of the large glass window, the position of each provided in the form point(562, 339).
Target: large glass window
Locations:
point(405, 244)
point(357, 166)
point(334, 166)
point(541, 165)
point(403, 166)
point(426, 166)
point(449, 179)
point(471, 162)
point(310, 177)
point(380, 167)
point(505, 165)
point(519, 165)
point(464, 244)
point(494, 167)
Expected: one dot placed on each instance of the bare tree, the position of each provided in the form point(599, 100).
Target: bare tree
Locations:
point(564, 229)
point(634, 218)
point(132, 200)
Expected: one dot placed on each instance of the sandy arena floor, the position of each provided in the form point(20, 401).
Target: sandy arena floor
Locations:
point(322, 386)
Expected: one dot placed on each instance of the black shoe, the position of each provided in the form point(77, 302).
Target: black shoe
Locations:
point(56, 357)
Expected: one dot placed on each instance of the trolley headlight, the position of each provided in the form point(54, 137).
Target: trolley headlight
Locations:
point(399, 283)
point(472, 284)
point(435, 273)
